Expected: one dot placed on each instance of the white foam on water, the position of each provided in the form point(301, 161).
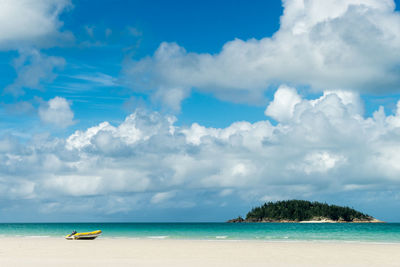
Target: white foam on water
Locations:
point(37, 236)
point(221, 236)
point(158, 237)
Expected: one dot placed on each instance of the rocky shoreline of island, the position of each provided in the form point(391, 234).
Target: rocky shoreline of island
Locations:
point(319, 220)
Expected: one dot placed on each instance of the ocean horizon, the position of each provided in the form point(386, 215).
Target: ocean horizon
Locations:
point(342, 232)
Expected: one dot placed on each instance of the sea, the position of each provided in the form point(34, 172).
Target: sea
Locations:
point(325, 232)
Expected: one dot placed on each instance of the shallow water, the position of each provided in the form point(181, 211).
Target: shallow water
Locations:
point(363, 232)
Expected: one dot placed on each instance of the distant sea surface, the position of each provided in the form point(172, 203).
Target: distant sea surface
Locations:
point(347, 232)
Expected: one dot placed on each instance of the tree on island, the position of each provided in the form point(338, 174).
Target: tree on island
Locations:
point(302, 210)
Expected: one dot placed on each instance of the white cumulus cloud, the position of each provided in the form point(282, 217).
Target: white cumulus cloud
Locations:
point(31, 22)
point(326, 150)
point(328, 45)
point(285, 99)
point(57, 111)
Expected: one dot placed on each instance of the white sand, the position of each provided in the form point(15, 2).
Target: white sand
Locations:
point(141, 252)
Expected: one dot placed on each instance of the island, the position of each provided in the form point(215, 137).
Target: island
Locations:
point(303, 211)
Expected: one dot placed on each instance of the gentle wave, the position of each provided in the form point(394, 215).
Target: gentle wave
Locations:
point(37, 236)
point(158, 237)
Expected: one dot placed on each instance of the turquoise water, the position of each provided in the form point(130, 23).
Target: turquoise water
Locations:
point(382, 232)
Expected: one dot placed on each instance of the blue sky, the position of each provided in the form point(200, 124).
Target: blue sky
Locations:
point(197, 110)
point(201, 27)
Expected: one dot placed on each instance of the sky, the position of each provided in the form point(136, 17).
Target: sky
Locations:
point(197, 111)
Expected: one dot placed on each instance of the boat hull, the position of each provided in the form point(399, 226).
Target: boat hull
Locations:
point(84, 236)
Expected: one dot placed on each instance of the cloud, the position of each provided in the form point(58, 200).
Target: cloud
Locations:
point(162, 197)
point(19, 108)
point(285, 100)
point(348, 45)
point(30, 22)
point(28, 26)
point(134, 31)
point(90, 30)
point(57, 111)
point(325, 149)
point(33, 68)
point(97, 79)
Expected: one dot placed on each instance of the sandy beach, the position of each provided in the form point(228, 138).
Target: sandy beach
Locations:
point(147, 252)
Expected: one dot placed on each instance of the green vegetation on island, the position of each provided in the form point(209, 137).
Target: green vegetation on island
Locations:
point(302, 210)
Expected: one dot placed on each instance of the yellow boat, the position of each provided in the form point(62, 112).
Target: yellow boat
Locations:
point(83, 236)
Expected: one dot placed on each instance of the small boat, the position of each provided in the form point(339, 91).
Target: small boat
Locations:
point(83, 236)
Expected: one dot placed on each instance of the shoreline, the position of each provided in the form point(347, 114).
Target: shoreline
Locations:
point(310, 221)
point(167, 238)
point(42, 252)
